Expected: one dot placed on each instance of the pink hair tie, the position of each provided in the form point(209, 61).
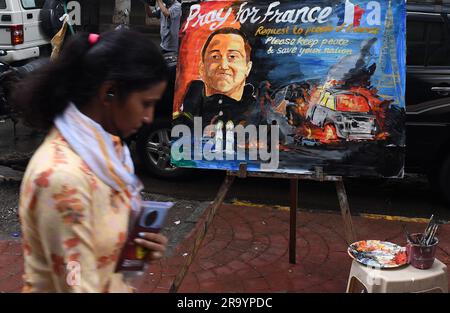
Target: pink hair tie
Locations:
point(93, 38)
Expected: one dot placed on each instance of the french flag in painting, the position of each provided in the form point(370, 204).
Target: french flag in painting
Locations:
point(349, 13)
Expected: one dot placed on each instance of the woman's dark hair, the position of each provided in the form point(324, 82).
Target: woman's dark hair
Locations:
point(125, 57)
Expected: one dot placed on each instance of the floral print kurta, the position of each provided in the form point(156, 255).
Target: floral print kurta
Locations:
point(74, 226)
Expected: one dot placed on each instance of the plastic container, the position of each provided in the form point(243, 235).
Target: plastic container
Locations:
point(421, 256)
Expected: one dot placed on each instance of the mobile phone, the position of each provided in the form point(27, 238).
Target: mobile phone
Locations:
point(151, 219)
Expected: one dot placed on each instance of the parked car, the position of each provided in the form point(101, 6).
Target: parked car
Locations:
point(427, 94)
point(21, 35)
point(27, 26)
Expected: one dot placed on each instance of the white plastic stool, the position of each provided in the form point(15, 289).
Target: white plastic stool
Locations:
point(403, 279)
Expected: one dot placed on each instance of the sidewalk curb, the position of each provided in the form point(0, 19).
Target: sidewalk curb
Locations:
point(8, 174)
point(363, 215)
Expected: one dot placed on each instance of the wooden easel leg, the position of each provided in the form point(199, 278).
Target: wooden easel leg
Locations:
point(350, 235)
point(201, 231)
point(293, 221)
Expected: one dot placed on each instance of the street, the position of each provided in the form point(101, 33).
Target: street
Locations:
point(410, 197)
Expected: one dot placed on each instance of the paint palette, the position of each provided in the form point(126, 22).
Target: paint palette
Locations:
point(379, 254)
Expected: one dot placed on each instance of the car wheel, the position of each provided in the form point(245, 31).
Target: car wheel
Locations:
point(444, 180)
point(50, 14)
point(153, 147)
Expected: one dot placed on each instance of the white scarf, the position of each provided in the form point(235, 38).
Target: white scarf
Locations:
point(96, 147)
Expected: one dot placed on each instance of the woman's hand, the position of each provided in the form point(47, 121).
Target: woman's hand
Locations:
point(156, 243)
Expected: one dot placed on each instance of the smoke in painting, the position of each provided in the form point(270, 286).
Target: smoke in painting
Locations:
point(287, 86)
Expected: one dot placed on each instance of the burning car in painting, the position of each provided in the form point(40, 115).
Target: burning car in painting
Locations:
point(341, 114)
point(330, 113)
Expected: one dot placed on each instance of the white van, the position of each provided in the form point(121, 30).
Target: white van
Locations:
point(20, 34)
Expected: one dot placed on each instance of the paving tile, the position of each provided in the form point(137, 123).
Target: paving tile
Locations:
point(13, 248)
point(237, 265)
point(205, 275)
point(248, 273)
point(5, 283)
point(6, 260)
point(205, 264)
point(256, 284)
point(241, 245)
point(248, 235)
point(277, 252)
point(278, 240)
point(165, 282)
point(169, 270)
point(213, 248)
point(226, 256)
point(278, 282)
point(223, 270)
point(189, 288)
point(259, 261)
point(3, 246)
point(190, 284)
point(12, 283)
point(248, 256)
point(210, 286)
point(160, 290)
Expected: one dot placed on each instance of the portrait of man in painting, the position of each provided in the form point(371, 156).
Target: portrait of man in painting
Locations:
point(223, 93)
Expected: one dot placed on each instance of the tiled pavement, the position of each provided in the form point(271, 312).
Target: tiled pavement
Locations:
point(246, 250)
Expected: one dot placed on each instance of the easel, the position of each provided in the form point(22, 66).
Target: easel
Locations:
point(318, 175)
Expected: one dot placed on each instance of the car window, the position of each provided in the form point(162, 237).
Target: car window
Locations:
point(352, 103)
point(416, 42)
point(327, 100)
point(439, 44)
point(32, 4)
point(2, 4)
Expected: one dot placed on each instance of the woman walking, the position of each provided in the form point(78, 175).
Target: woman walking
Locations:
point(79, 187)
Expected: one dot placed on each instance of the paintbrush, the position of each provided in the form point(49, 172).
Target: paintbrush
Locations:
point(409, 238)
point(427, 230)
point(432, 234)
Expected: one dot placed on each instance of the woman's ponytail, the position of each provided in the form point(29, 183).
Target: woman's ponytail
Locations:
point(45, 93)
